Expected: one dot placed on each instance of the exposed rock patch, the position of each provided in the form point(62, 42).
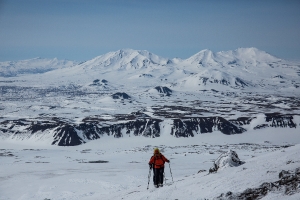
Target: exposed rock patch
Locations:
point(120, 95)
point(288, 184)
point(98, 82)
point(228, 159)
point(164, 90)
point(188, 127)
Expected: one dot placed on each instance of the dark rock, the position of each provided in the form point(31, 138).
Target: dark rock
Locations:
point(98, 161)
point(201, 170)
point(186, 127)
point(139, 127)
point(271, 120)
point(120, 95)
point(41, 126)
point(66, 135)
point(261, 126)
point(278, 120)
point(240, 83)
point(241, 121)
point(97, 82)
point(146, 75)
point(288, 184)
point(164, 90)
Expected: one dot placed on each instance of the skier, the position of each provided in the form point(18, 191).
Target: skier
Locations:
point(157, 162)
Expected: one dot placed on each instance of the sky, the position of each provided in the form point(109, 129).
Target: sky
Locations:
point(83, 29)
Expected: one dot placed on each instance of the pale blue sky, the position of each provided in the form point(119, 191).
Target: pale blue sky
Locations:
point(82, 29)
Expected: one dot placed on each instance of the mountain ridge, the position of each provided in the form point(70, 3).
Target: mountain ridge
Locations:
point(181, 97)
point(244, 65)
point(132, 55)
point(33, 66)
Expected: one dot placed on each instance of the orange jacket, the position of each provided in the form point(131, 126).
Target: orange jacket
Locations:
point(158, 160)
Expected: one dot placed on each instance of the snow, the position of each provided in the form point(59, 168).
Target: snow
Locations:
point(38, 171)
point(35, 65)
point(32, 169)
point(67, 90)
point(260, 119)
point(227, 159)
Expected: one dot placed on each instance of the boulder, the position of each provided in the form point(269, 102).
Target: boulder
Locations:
point(227, 159)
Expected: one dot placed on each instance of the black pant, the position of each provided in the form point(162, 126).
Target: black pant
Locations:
point(158, 175)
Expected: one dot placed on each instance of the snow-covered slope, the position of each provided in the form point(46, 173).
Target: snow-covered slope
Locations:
point(118, 168)
point(244, 67)
point(125, 59)
point(32, 66)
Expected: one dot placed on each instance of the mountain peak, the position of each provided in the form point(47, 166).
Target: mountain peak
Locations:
point(127, 59)
point(249, 50)
point(253, 53)
point(202, 56)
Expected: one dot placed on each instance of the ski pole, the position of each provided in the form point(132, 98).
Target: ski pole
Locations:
point(149, 175)
point(171, 172)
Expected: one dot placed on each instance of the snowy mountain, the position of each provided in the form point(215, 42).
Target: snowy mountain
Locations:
point(69, 104)
point(241, 68)
point(263, 165)
point(125, 59)
point(241, 56)
point(245, 67)
point(32, 66)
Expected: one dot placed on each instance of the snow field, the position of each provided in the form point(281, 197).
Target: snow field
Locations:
point(33, 172)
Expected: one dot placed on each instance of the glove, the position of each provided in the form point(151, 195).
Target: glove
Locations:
point(150, 166)
point(168, 161)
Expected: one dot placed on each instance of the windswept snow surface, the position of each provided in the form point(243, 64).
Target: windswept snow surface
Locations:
point(32, 171)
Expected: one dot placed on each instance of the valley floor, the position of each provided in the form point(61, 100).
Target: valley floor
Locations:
point(111, 168)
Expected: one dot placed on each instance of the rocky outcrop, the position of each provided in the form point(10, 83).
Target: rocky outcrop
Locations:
point(188, 127)
point(120, 95)
point(70, 134)
point(241, 121)
point(279, 120)
point(227, 159)
point(139, 127)
point(67, 135)
point(164, 90)
point(64, 132)
point(287, 184)
point(98, 82)
point(271, 120)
